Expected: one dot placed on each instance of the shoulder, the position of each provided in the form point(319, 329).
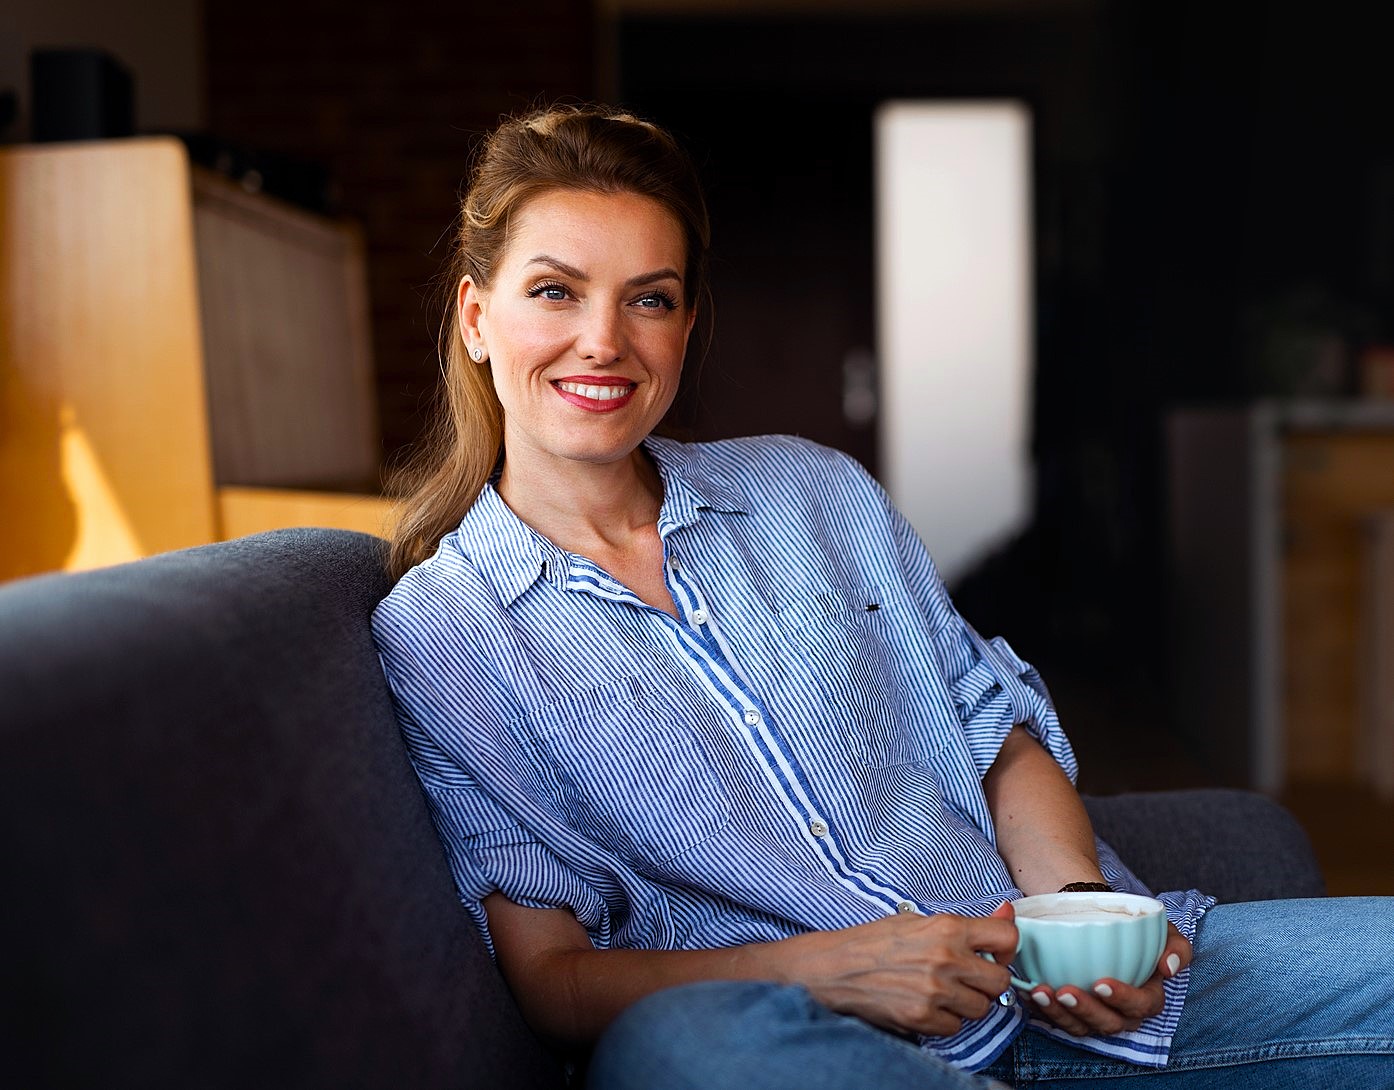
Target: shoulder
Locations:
point(766, 462)
point(443, 640)
point(444, 590)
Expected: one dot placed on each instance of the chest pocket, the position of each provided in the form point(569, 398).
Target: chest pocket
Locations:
point(628, 772)
point(841, 636)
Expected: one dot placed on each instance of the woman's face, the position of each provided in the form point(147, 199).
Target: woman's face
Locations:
point(584, 326)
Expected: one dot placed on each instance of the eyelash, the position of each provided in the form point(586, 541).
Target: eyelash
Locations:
point(546, 285)
point(666, 301)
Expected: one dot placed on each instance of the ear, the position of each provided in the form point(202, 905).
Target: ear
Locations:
point(469, 312)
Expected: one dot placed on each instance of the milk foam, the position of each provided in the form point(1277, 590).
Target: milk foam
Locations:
point(1081, 915)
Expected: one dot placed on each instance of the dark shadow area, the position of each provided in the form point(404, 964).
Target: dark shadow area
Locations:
point(1211, 185)
point(1214, 222)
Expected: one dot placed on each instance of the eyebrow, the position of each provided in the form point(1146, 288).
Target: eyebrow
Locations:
point(576, 274)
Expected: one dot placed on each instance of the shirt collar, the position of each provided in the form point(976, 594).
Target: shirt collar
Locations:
point(512, 556)
point(688, 489)
point(507, 552)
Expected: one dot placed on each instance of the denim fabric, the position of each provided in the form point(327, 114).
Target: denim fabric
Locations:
point(1283, 994)
point(727, 1034)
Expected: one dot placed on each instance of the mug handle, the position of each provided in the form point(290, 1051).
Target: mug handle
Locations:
point(1017, 982)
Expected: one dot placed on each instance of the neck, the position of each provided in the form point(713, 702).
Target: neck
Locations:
point(580, 506)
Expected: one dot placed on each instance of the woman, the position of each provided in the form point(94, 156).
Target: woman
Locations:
point(704, 714)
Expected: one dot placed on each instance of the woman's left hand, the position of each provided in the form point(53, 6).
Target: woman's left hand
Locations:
point(1111, 1006)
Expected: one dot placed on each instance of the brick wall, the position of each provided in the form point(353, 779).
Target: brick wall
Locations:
point(390, 98)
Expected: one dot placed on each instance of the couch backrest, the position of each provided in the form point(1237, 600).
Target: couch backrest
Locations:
point(221, 870)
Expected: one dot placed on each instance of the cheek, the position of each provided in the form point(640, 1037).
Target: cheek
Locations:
point(528, 348)
point(663, 346)
point(677, 352)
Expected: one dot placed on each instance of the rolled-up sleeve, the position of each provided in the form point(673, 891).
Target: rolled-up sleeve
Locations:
point(487, 849)
point(993, 691)
point(992, 688)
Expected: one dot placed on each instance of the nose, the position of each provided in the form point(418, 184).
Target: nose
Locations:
point(602, 338)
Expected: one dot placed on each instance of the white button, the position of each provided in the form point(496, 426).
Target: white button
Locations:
point(673, 562)
point(752, 717)
point(906, 908)
point(818, 827)
point(699, 616)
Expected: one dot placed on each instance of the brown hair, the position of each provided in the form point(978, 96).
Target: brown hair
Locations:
point(588, 148)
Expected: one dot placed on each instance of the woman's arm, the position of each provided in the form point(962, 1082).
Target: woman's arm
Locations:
point(1043, 831)
point(909, 974)
point(1045, 838)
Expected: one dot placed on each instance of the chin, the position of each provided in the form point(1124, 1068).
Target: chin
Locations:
point(592, 452)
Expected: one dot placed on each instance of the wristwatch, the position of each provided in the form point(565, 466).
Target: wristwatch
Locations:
point(1087, 887)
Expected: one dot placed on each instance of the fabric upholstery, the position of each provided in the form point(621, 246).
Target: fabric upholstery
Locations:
point(222, 870)
point(1234, 845)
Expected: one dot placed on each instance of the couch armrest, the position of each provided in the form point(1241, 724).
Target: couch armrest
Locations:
point(222, 869)
point(1236, 845)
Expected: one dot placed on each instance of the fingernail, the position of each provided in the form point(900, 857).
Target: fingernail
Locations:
point(1042, 1000)
point(1103, 991)
point(1173, 964)
point(1068, 1001)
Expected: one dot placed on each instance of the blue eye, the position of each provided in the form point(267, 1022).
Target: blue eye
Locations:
point(548, 290)
point(657, 300)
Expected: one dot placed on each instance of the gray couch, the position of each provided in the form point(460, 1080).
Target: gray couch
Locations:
point(220, 871)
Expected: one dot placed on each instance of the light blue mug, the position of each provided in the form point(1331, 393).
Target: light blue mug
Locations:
point(1081, 938)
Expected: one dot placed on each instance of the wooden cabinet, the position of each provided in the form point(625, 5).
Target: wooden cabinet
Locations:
point(1280, 522)
point(286, 345)
point(168, 342)
point(1334, 486)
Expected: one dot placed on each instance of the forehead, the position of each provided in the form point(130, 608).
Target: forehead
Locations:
point(569, 224)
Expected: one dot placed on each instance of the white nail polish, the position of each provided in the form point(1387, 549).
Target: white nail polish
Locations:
point(1173, 964)
point(1042, 1000)
point(1068, 1001)
point(1103, 991)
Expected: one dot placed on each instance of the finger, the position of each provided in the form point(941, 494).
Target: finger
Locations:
point(968, 992)
point(1078, 1012)
point(1048, 1004)
point(996, 934)
point(1176, 955)
point(1004, 911)
point(988, 977)
point(1092, 1013)
point(968, 1004)
point(1132, 1003)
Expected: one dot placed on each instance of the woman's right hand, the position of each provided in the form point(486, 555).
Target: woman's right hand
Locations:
point(908, 973)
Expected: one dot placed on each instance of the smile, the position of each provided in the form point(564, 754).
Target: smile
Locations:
point(595, 393)
point(594, 396)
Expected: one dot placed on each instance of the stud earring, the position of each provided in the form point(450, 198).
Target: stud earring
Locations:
point(478, 354)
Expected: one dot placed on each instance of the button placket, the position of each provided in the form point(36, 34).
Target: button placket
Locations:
point(700, 615)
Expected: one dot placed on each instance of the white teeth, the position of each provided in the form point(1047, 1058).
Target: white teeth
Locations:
point(595, 393)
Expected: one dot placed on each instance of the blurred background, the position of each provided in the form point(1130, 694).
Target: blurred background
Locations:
point(1198, 550)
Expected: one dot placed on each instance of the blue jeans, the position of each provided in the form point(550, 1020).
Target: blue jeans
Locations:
point(1283, 994)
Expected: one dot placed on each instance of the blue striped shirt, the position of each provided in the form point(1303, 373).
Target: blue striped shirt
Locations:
point(803, 749)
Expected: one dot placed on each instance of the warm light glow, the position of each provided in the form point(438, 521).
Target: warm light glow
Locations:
point(103, 534)
point(954, 322)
